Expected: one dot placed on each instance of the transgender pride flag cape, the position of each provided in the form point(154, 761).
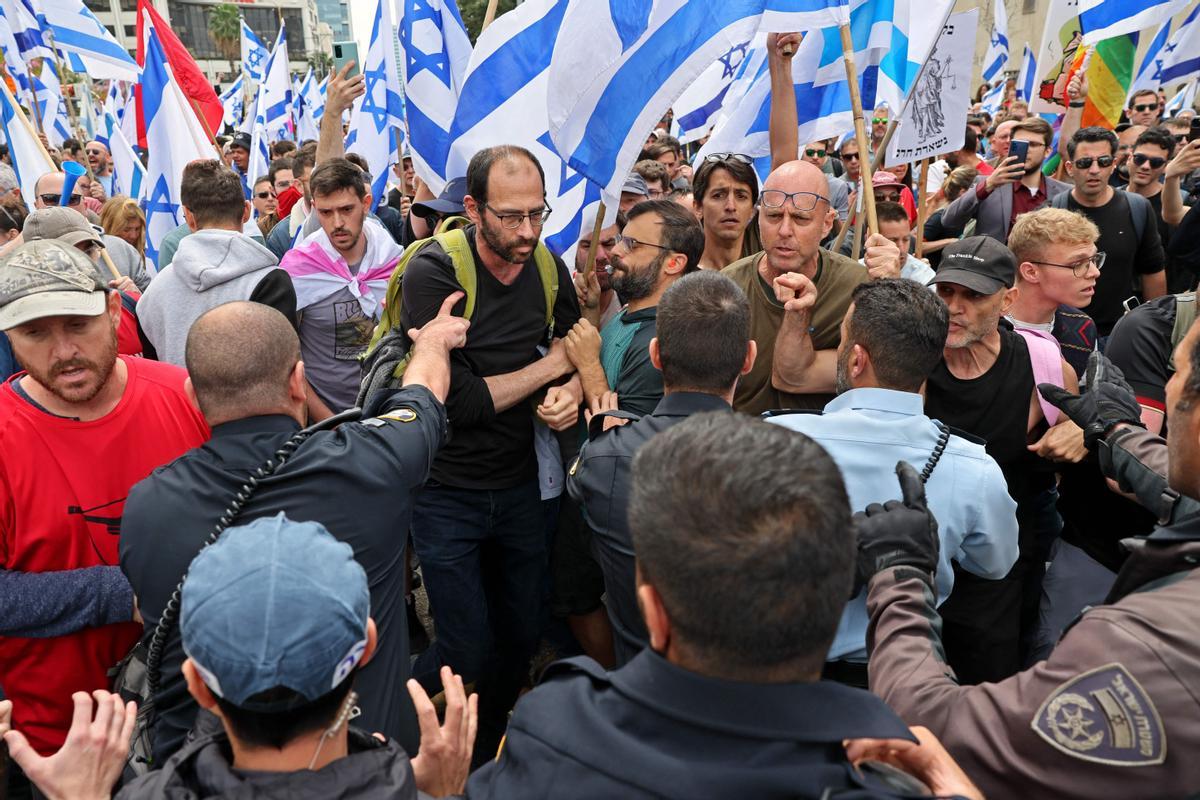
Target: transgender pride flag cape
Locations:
point(319, 271)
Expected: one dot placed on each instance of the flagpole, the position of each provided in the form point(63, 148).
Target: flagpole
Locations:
point(922, 211)
point(860, 129)
point(597, 226)
point(71, 116)
point(207, 132)
point(489, 15)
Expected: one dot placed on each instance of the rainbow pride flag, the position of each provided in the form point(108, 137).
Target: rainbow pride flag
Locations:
point(1110, 72)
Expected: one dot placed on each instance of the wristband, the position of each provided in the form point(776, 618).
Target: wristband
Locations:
point(1077, 103)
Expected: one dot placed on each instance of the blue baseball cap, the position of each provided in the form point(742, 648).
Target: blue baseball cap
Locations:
point(275, 603)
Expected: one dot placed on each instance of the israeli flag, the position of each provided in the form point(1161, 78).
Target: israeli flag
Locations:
point(52, 107)
point(997, 52)
point(174, 137)
point(275, 92)
point(992, 100)
point(1028, 76)
point(1181, 56)
point(254, 54)
point(128, 172)
point(1185, 98)
point(888, 61)
point(1149, 74)
point(308, 100)
point(27, 31)
point(233, 101)
point(436, 51)
point(380, 110)
point(503, 101)
point(15, 62)
point(697, 108)
point(29, 160)
point(1104, 19)
point(77, 31)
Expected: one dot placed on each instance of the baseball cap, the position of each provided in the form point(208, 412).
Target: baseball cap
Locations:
point(980, 263)
point(450, 201)
point(64, 224)
point(242, 140)
point(46, 279)
point(636, 184)
point(274, 603)
point(882, 178)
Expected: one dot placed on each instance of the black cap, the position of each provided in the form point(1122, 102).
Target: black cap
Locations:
point(450, 201)
point(241, 140)
point(980, 263)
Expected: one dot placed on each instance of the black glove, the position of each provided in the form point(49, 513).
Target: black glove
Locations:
point(1107, 401)
point(898, 533)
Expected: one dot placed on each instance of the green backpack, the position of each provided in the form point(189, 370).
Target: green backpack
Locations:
point(452, 238)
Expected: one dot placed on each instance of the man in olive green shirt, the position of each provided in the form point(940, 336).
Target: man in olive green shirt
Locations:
point(795, 282)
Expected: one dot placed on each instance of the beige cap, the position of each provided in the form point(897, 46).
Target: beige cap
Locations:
point(57, 222)
point(48, 278)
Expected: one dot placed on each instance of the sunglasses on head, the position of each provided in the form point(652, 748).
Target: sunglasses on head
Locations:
point(1086, 162)
point(52, 199)
point(740, 158)
point(1146, 107)
point(1142, 158)
point(808, 151)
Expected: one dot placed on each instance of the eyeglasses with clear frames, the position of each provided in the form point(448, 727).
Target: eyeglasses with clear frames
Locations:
point(776, 199)
point(1079, 268)
point(513, 221)
point(630, 244)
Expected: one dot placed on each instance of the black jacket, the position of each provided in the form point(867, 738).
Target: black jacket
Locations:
point(203, 769)
point(653, 729)
point(600, 482)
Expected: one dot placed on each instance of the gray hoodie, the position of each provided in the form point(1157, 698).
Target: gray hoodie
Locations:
point(210, 268)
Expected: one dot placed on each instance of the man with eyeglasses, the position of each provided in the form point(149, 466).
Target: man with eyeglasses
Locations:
point(131, 266)
point(725, 189)
point(484, 493)
point(849, 156)
point(839, 190)
point(1014, 188)
point(796, 285)
point(1126, 136)
point(1128, 230)
point(100, 160)
point(656, 176)
point(879, 126)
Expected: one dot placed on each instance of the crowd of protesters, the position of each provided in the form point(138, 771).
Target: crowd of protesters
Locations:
point(394, 502)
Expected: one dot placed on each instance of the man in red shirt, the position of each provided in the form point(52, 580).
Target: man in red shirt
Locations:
point(77, 430)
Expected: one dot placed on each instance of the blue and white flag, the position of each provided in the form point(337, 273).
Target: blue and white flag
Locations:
point(254, 54)
point(77, 31)
point(994, 97)
point(272, 109)
point(128, 174)
point(15, 63)
point(616, 69)
point(88, 117)
point(233, 101)
point(436, 51)
point(503, 101)
point(52, 106)
point(697, 108)
point(1104, 19)
point(888, 60)
point(29, 159)
point(1149, 74)
point(1184, 98)
point(1028, 76)
point(174, 138)
point(997, 52)
point(308, 101)
point(1181, 55)
point(379, 111)
point(27, 31)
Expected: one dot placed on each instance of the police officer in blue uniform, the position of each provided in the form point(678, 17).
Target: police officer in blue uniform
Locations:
point(743, 571)
point(358, 480)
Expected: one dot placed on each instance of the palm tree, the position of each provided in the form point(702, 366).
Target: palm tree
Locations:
point(225, 29)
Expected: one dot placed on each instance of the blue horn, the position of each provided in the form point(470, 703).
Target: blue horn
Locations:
point(74, 172)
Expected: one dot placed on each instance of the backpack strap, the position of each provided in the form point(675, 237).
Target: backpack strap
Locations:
point(1060, 200)
point(1046, 360)
point(454, 243)
point(548, 270)
point(1139, 211)
point(1185, 315)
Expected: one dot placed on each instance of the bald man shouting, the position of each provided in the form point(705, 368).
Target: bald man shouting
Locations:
point(794, 284)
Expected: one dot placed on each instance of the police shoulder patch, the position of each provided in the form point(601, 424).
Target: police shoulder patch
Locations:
point(1104, 716)
point(400, 415)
